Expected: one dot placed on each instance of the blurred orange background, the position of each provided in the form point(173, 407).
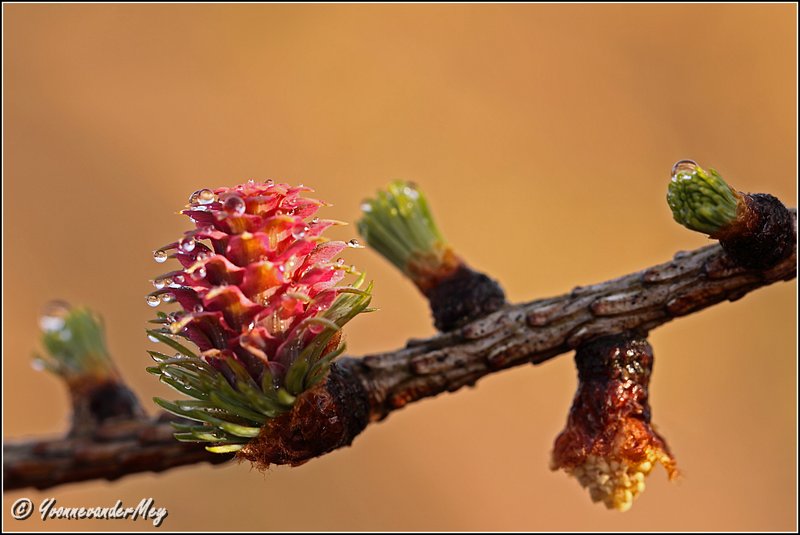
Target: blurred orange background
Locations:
point(543, 135)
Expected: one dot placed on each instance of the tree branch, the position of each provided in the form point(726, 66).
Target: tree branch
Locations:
point(539, 330)
point(516, 334)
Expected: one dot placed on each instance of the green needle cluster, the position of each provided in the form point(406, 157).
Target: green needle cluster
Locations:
point(701, 200)
point(74, 339)
point(398, 224)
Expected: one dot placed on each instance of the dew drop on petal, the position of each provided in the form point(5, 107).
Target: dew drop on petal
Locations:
point(269, 182)
point(199, 273)
point(187, 244)
point(159, 283)
point(152, 338)
point(179, 278)
point(167, 298)
point(54, 316)
point(197, 309)
point(234, 205)
point(193, 196)
point(315, 220)
point(340, 262)
point(160, 256)
point(153, 300)
point(354, 244)
point(206, 196)
point(299, 231)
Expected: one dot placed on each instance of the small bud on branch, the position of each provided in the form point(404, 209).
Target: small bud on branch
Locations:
point(74, 339)
point(399, 225)
point(755, 229)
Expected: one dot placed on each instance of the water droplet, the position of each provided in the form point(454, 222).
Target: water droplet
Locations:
point(199, 273)
point(316, 328)
point(197, 309)
point(153, 338)
point(269, 182)
point(206, 196)
point(193, 196)
point(354, 244)
point(411, 192)
point(340, 262)
point(251, 181)
point(202, 255)
point(160, 256)
point(159, 283)
point(299, 231)
point(153, 300)
point(366, 207)
point(179, 278)
point(234, 205)
point(187, 244)
point(54, 316)
point(315, 220)
point(683, 167)
point(167, 298)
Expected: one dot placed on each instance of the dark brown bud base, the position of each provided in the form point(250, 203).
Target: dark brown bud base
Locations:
point(325, 418)
point(462, 296)
point(95, 402)
point(763, 233)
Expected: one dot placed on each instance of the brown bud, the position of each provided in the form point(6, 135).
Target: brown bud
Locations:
point(609, 444)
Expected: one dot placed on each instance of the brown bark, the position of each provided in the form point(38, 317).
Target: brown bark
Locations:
point(516, 334)
point(115, 449)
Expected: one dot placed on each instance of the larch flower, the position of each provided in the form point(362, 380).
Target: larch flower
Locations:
point(261, 295)
point(609, 445)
